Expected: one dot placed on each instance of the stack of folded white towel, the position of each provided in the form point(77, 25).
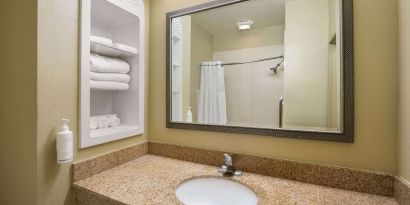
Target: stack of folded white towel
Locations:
point(108, 73)
point(104, 121)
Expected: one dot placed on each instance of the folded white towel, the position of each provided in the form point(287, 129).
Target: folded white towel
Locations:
point(93, 123)
point(101, 40)
point(108, 85)
point(104, 64)
point(116, 77)
point(127, 48)
point(115, 121)
point(104, 121)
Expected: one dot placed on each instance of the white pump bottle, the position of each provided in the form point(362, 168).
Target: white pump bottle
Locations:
point(64, 144)
point(188, 116)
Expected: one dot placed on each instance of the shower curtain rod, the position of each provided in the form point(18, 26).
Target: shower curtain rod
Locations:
point(264, 59)
point(246, 62)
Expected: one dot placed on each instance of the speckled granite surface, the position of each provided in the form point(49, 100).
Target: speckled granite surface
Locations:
point(152, 180)
point(332, 176)
point(91, 166)
point(402, 191)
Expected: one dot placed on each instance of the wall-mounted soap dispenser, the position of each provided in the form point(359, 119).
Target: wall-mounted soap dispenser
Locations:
point(64, 144)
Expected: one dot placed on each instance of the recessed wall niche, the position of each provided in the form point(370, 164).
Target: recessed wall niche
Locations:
point(112, 70)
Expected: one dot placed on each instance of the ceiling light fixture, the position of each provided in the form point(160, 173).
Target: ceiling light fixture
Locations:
point(244, 25)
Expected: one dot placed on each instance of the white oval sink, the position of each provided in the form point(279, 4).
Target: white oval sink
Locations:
point(215, 191)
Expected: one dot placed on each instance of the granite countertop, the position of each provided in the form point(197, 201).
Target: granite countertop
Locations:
point(152, 180)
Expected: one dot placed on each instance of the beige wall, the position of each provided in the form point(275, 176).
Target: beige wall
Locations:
point(375, 92)
point(334, 66)
point(306, 83)
point(58, 96)
point(186, 65)
point(201, 50)
point(404, 42)
point(18, 102)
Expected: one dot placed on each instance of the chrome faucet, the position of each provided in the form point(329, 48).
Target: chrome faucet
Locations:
point(227, 169)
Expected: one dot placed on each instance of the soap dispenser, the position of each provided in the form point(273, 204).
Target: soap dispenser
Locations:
point(64, 144)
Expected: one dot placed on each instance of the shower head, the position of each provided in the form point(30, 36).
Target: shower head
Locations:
point(275, 68)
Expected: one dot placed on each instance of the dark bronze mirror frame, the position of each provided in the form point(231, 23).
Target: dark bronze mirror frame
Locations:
point(347, 82)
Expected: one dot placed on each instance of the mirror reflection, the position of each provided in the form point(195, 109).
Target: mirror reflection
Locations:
point(259, 63)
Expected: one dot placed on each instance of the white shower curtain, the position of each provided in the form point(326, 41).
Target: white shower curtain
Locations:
point(212, 99)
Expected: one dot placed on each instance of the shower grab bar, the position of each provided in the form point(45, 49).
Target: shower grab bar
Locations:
point(281, 111)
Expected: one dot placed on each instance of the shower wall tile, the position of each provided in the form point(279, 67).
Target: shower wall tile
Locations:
point(252, 90)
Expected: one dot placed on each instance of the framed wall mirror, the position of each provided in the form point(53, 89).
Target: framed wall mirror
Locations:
point(264, 67)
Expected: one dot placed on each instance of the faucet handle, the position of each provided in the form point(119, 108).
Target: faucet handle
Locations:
point(223, 169)
point(237, 172)
point(228, 159)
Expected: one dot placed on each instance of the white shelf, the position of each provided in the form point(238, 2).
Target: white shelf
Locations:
point(109, 50)
point(119, 130)
point(113, 89)
point(124, 23)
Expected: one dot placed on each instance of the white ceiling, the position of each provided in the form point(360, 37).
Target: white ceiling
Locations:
point(263, 13)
